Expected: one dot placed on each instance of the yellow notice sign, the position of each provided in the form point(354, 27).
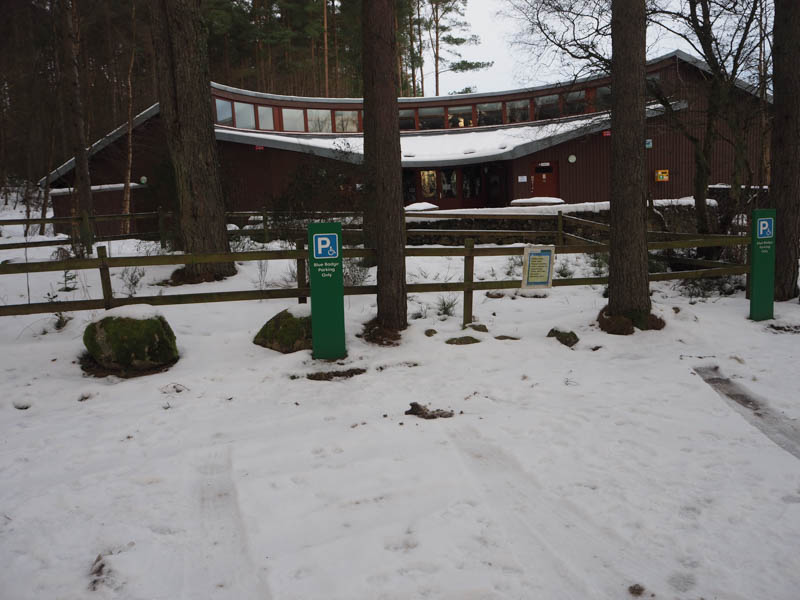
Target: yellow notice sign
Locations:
point(537, 266)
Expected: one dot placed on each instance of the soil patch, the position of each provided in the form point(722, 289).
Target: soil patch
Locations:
point(506, 337)
point(636, 590)
point(375, 334)
point(785, 328)
point(331, 375)
point(424, 412)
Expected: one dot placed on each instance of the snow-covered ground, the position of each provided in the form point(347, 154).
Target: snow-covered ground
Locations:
point(565, 473)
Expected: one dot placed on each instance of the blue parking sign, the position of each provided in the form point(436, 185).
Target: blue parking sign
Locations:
point(326, 245)
point(765, 228)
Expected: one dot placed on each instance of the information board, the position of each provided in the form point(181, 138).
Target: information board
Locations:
point(537, 266)
point(327, 290)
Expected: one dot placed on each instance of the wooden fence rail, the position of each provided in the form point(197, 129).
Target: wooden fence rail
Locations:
point(104, 263)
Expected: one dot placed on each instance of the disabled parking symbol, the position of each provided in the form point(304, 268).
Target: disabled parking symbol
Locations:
point(765, 228)
point(326, 245)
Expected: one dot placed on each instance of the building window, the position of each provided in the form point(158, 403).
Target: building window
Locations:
point(224, 112)
point(547, 107)
point(245, 115)
point(265, 120)
point(518, 111)
point(407, 119)
point(319, 121)
point(460, 116)
point(428, 181)
point(409, 187)
point(347, 121)
point(471, 183)
point(574, 103)
point(490, 113)
point(449, 183)
point(293, 119)
point(602, 98)
point(431, 117)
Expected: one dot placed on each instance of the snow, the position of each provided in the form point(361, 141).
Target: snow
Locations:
point(421, 206)
point(425, 148)
point(538, 200)
point(565, 473)
point(300, 311)
point(133, 311)
point(109, 187)
point(553, 209)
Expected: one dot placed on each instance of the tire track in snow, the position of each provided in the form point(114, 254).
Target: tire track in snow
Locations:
point(560, 549)
point(772, 424)
point(219, 565)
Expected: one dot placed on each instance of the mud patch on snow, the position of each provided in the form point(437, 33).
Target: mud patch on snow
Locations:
point(331, 375)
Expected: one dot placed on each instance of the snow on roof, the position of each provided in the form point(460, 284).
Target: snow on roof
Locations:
point(443, 147)
point(108, 187)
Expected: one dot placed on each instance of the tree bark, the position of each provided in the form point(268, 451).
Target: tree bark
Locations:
point(382, 160)
point(628, 288)
point(325, 37)
point(83, 185)
point(183, 92)
point(126, 192)
point(785, 188)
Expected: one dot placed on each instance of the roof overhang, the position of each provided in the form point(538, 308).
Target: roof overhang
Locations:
point(441, 148)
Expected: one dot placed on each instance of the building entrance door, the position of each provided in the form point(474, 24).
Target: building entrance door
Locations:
point(544, 179)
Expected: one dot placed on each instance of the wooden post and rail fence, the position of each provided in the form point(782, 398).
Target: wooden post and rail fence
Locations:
point(701, 269)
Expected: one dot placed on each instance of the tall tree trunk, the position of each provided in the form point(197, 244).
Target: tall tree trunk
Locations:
point(183, 86)
point(628, 288)
point(419, 38)
point(46, 199)
point(325, 41)
point(413, 59)
point(785, 189)
point(336, 73)
point(382, 160)
point(83, 186)
point(126, 191)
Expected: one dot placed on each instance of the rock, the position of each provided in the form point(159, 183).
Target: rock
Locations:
point(462, 341)
point(506, 337)
point(285, 333)
point(428, 413)
point(131, 343)
point(478, 327)
point(568, 338)
point(430, 332)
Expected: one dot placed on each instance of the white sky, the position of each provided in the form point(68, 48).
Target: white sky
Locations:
point(510, 70)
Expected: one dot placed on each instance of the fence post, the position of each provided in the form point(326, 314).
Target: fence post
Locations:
point(469, 264)
point(86, 233)
point(264, 223)
point(301, 270)
point(105, 277)
point(560, 228)
point(162, 227)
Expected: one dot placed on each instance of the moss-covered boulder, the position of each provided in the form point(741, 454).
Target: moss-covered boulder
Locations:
point(568, 338)
point(288, 331)
point(131, 341)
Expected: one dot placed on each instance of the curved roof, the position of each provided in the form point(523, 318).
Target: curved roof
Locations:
point(462, 146)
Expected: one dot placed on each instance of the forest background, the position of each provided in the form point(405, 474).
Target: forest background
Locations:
point(292, 47)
